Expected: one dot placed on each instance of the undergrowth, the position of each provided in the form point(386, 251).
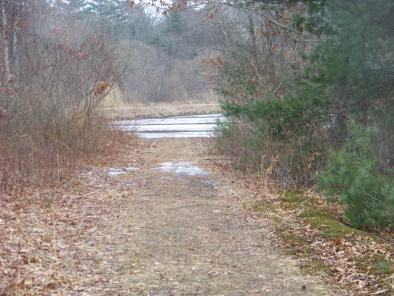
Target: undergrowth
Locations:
point(40, 157)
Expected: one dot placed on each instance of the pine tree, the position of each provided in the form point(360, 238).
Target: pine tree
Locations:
point(174, 27)
point(353, 65)
point(347, 77)
point(174, 22)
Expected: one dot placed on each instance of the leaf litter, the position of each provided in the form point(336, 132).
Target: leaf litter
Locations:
point(144, 232)
point(356, 262)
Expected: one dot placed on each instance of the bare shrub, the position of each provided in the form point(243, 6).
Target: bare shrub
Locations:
point(67, 68)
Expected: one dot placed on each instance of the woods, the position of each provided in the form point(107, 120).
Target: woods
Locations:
point(308, 84)
point(307, 87)
point(321, 111)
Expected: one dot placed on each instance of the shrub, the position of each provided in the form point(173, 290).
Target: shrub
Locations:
point(289, 161)
point(364, 185)
point(53, 117)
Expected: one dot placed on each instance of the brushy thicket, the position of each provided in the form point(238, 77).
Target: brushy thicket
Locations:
point(291, 142)
point(53, 117)
point(325, 120)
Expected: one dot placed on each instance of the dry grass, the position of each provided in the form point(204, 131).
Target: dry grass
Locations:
point(42, 156)
point(161, 109)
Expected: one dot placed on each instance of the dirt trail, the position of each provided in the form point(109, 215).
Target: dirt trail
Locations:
point(148, 231)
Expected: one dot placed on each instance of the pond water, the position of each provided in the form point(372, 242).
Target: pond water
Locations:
point(192, 126)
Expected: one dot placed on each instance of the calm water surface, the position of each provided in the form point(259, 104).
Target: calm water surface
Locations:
point(192, 126)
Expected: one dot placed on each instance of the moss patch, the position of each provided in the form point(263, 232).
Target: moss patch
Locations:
point(308, 229)
point(317, 215)
point(329, 225)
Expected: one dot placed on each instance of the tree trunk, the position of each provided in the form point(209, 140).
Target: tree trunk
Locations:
point(10, 40)
point(254, 41)
point(15, 57)
point(6, 43)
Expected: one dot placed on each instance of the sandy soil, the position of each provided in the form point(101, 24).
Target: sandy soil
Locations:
point(134, 226)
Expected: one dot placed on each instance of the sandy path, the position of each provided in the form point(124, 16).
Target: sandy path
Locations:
point(154, 232)
point(190, 235)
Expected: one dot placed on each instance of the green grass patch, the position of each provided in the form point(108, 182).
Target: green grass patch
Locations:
point(383, 267)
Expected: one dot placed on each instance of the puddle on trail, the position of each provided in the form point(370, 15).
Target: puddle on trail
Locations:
point(182, 168)
point(113, 172)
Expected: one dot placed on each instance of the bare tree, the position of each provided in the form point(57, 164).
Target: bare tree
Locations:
point(9, 34)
